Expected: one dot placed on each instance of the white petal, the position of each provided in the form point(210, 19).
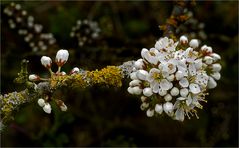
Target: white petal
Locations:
point(189, 100)
point(181, 98)
point(184, 82)
point(130, 90)
point(164, 84)
point(198, 64)
point(179, 114)
point(158, 108)
point(194, 88)
point(192, 69)
point(156, 88)
point(170, 77)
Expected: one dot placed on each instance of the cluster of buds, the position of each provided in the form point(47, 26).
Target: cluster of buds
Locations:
point(173, 77)
point(32, 32)
point(61, 58)
point(85, 31)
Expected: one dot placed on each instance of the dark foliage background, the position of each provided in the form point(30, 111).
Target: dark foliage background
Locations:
point(102, 116)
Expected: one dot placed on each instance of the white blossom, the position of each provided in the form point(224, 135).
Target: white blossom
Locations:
point(61, 57)
point(33, 77)
point(46, 61)
point(147, 92)
point(47, 108)
point(41, 102)
point(194, 43)
point(158, 108)
point(150, 113)
point(183, 40)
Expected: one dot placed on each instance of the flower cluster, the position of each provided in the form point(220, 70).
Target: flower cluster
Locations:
point(61, 58)
point(173, 77)
point(32, 32)
point(85, 31)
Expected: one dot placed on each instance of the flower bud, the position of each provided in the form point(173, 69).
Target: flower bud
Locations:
point(142, 74)
point(211, 83)
point(137, 90)
point(179, 75)
point(174, 91)
point(150, 113)
point(134, 83)
point(46, 62)
point(184, 92)
point(41, 102)
point(139, 64)
point(158, 108)
point(133, 76)
point(47, 108)
point(206, 49)
point(194, 43)
point(61, 57)
point(183, 40)
point(144, 105)
point(75, 70)
point(168, 97)
point(63, 107)
point(215, 56)
point(216, 75)
point(143, 98)
point(208, 60)
point(147, 92)
point(168, 107)
point(34, 77)
point(216, 67)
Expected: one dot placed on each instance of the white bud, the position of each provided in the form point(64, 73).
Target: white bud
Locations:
point(139, 64)
point(47, 108)
point(33, 77)
point(46, 62)
point(143, 98)
point(174, 91)
point(208, 60)
point(206, 49)
point(158, 108)
point(168, 97)
point(147, 92)
point(75, 70)
point(211, 83)
point(179, 75)
point(137, 90)
point(144, 105)
point(215, 56)
point(63, 73)
point(63, 107)
point(171, 77)
point(133, 75)
point(41, 102)
point(134, 83)
point(162, 92)
point(150, 113)
point(61, 57)
point(216, 75)
point(130, 90)
point(183, 40)
point(168, 107)
point(216, 67)
point(142, 74)
point(184, 92)
point(194, 43)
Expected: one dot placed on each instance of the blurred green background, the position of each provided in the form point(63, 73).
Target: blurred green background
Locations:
point(101, 116)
